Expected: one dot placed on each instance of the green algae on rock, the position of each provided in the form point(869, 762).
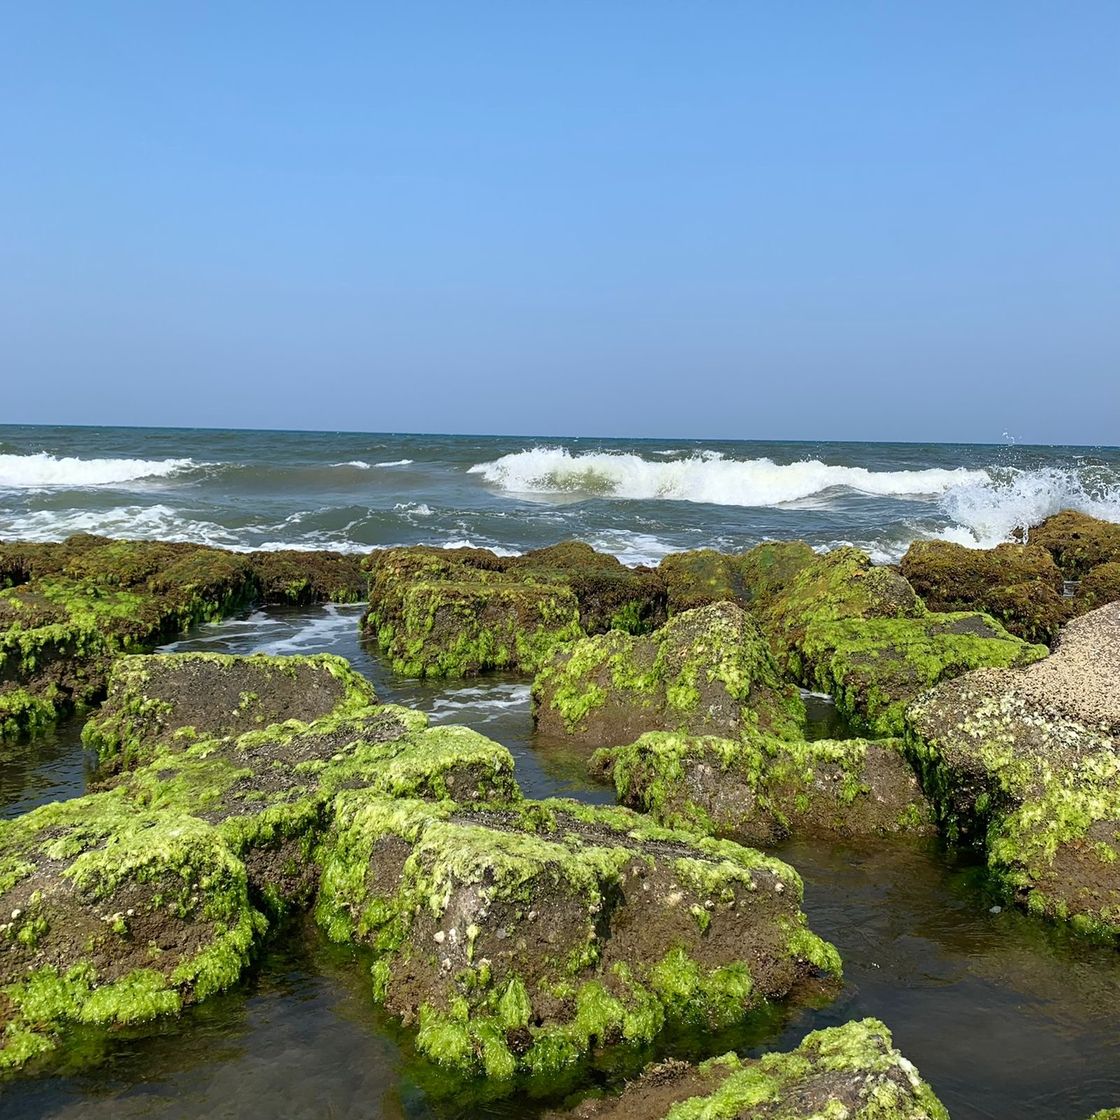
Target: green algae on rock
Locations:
point(707, 670)
point(860, 633)
point(759, 789)
point(67, 609)
point(702, 576)
point(1078, 542)
point(1027, 763)
point(155, 700)
point(1100, 585)
point(117, 915)
point(850, 1072)
point(441, 613)
point(1019, 585)
point(517, 940)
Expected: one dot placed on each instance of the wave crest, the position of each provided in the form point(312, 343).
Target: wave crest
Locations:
point(41, 470)
point(707, 477)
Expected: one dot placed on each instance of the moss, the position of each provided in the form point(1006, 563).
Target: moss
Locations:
point(487, 927)
point(705, 670)
point(1078, 542)
point(802, 1084)
point(874, 667)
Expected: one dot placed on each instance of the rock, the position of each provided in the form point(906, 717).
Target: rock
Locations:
point(707, 671)
point(67, 609)
point(875, 668)
point(861, 633)
point(1078, 542)
point(132, 901)
point(703, 576)
point(851, 1071)
point(300, 578)
point(1020, 585)
point(117, 915)
point(759, 790)
point(453, 613)
point(1027, 762)
point(518, 940)
point(157, 699)
point(1100, 585)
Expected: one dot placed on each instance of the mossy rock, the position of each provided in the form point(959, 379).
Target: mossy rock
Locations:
point(518, 940)
point(702, 576)
point(874, 668)
point(1078, 542)
point(113, 914)
point(839, 585)
point(455, 613)
point(1100, 585)
point(760, 790)
point(707, 671)
point(67, 609)
point(158, 699)
point(1020, 585)
point(300, 578)
point(850, 1072)
point(1026, 763)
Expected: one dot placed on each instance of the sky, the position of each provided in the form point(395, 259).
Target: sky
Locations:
point(725, 219)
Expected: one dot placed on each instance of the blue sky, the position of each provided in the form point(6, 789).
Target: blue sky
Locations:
point(831, 220)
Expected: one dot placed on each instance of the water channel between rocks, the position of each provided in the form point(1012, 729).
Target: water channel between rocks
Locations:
point(1004, 1016)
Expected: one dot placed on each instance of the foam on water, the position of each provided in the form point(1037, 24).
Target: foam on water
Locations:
point(707, 477)
point(42, 470)
point(396, 463)
point(1004, 506)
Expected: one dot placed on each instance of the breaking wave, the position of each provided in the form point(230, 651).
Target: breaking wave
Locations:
point(41, 470)
point(706, 477)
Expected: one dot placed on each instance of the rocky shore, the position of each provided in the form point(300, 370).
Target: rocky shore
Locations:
point(981, 690)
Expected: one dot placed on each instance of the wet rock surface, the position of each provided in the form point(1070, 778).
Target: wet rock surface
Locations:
point(452, 614)
point(760, 790)
point(852, 1071)
point(707, 671)
point(519, 939)
point(67, 609)
point(1026, 762)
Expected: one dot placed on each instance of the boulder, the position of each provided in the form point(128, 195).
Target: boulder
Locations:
point(760, 790)
point(860, 633)
point(1020, 585)
point(67, 609)
point(1078, 542)
point(851, 1072)
point(707, 671)
point(702, 576)
point(157, 700)
point(453, 613)
point(1026, 763)
point(518, 940)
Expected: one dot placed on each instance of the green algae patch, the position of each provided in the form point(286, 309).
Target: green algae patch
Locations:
point(850, 1072)
point(760, 789)
point(1078, 542)
point(1017, 584)
point(158, 700)
point(874, 667)
point(117, 915)
point(455, 613)
point(518, 939)
point(708, 670)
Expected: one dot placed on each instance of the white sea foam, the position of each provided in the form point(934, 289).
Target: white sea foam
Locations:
point(42, 470)
point(357, 464)
point(706, 477)
point(632, 548)
point(1005, 505)
point(396, 463)
point(464, 542)
point(409, 510)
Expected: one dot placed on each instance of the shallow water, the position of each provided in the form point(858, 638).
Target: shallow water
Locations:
point(1005, 1016)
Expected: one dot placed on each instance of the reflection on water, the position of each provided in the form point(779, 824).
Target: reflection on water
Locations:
point(1005, 1016)
point(54, 767)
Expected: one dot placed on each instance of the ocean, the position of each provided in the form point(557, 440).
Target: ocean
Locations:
point(638, 499)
